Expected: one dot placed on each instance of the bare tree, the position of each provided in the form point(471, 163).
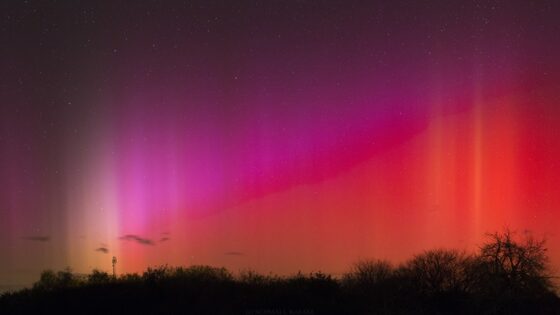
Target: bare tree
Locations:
point(514, 264)
point(438, 271)
point(368, 273)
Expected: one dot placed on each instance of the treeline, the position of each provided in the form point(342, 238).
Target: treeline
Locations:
point(508, 275)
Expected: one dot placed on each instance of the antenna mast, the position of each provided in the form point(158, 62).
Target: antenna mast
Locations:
point(114, 265)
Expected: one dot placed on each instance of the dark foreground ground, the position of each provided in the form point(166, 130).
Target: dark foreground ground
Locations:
point(206, 290)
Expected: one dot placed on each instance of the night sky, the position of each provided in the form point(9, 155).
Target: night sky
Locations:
point(273, 135)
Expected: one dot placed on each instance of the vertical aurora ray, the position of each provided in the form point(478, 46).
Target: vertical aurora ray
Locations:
point(478, 176)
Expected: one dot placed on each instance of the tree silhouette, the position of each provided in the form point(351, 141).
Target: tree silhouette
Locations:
point(438, 271)
point(98, 277)
point(514, 265)
point(368, 273)
point(49, 280)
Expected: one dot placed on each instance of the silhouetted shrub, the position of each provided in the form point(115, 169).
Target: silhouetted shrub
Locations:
point(130, 278)
point(47, 280)
point(438, 271)
point(253, 278)
point(368, 273)
point(155, 275)
point(98, 277)
point(200, 273)
point(50, 280)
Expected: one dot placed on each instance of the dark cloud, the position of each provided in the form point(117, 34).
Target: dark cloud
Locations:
point(104, 250)
point(136, 238)
point(234, 254)
point(164, 239)
point(37, 238)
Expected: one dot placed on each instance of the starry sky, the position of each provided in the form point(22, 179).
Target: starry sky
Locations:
point(273, 135)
